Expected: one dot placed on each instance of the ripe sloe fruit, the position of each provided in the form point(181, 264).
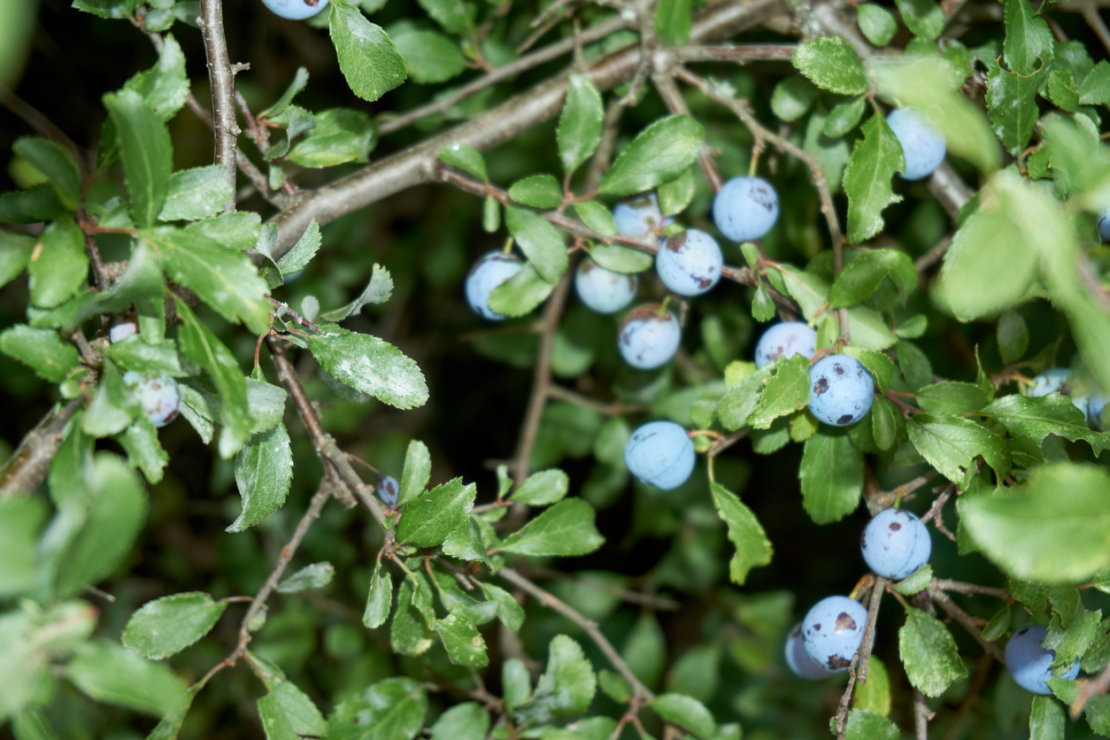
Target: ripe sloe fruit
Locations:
point(388, 489)
point(159, 398)
point(746, 208)
point(840, 390)
point(690, 262)
point(295, 10)
point(833, 630)
point(491, 269)
point(1030, 664)
point(799, 661)
point(647, 339)
point(922, 144)
point(604, 291)
point(660, 453)
point(895, 543)
point(785, 339)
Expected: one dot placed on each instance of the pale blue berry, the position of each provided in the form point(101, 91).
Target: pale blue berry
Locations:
point(660, 453)
point(922, 143)
point(690, 262)
point(491, 269)
point(840, 390)
point(295, 10)
point(1104, 224)
point(639, 216)
point(648, 339)
point(603, 290)
point(895, 543)
point(158, 397)
point(746, 208)
point(388, 489)
point(1030, 664)
point(785, 339)
point(798, 659)
point(833, 631)
point(123, 329)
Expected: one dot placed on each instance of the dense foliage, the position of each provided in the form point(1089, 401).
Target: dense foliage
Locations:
point(283, 465)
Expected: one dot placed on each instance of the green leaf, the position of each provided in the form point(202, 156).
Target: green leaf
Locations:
point(451, 14)
point(861, 277)
point(460, 638)
point(509, 612)
point(147, 154)
point(784, 391)
point(675, 196)
point(263, 474)
point(744, 531)
point(831, 64)
point(466, 158)
point(916, 581)
point(134, 353)
point(1046, 719)
point(376, 292)
point(416, 473)
point(875, 159)
point(1012, 105)
point(60, 267)
point(566, 687)
point(579, 128)
point(521, 293)
point(392, 709)
point(923, 17)
point(340, 135)
point(224, 279)
point(140, 441)
point(597, 217)
point(877, 23)
point(673, 21)
point(874, 696)
point(543, 488)
point(55, 164)
point(566, 529)
point(164, 87)
point(40, 349)
point(108, 673)
point(1013, 337)
point(37, 203)
point(430, 57)
point(1095, 89)
point(659, 153)
point(316, 575)
point(491, 214)
point(370, 365)
point(951, 443)
point(832, 476)
point(380, 599)
point(15, 254)
point(114, 508)
point(465, 543)
point(1027, 37)
point(303, 716)
point(368, 58)
point(1053, 529)
point(21, 520)
point(687, 712)
point(201, 192)
point(620, 259)
point(113, 406)
point(950, 397)
point(31, 724)
point(202, 347)
point(303, 251)
point(1036, 418)
point(274, 722)
point(537, 191)
point(792, 97)
point(844, 117)
point(929, 653)
point(1062, 89)
point(168, 625)
point(433, 515)
point(541, 242)
point(864, 724)
point(466, 721)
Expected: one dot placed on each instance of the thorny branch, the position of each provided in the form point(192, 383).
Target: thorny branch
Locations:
point(26, 469)
point(222, 80)
point(861, 660)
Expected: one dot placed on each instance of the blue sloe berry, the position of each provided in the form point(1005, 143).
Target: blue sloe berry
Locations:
point(159, 397)
point(1030, 664)
point(785, 339)
point(648, 338)
point(123, 329)
point(295, 10)
point(388, 489)
point(1103, 220)
point(690, 262)
point(639, 216)
point(895, 543)
point(840, 390)
point(491, 269)
point(603, 290)
point(746, 208)
point(833, 630)
point(660, 453)
point(798, 659)
point(922, 143)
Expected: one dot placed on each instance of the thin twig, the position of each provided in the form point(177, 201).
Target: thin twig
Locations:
point(959, 587)
point(26, 469)
point(1097, 685)
point(43, 126)
point(886, 499)
point(741, 53)
point(664, 84)
point(614, 408)
point(315, 506)
point(921, 716)
point(589, 627)
point(933, 256)
point(862, 658)
point(1094, 20)
point(222, 81)
point(632, 597)
point(966, 621)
